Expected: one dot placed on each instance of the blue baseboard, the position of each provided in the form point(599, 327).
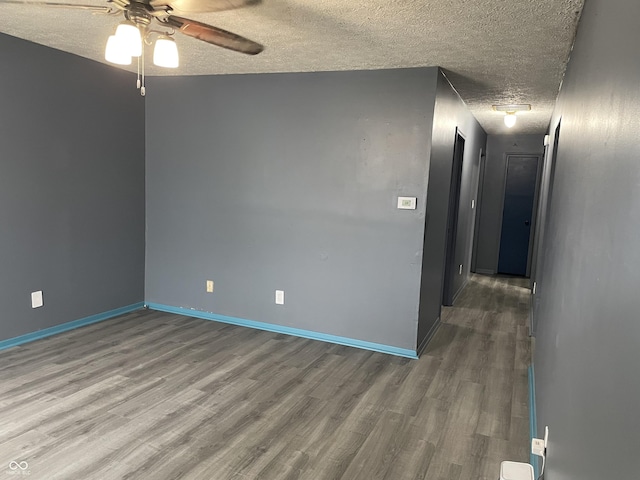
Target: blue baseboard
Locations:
point(47, 332)
point(297, 332)
point(533, 420)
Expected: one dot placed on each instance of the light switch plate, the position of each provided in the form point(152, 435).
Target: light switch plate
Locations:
point(407, 203)
point(279, 297)
point(36, 299)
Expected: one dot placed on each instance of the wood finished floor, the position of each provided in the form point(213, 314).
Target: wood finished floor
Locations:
point(158, 396)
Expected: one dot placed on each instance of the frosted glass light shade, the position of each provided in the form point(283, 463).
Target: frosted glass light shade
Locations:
point(130, 36)
point(510, 120)
point(165, 53)
point(116, 52)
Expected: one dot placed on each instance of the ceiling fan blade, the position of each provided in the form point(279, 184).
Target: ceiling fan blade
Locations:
point(202, 6)
point(93, 8)
point(214, 35)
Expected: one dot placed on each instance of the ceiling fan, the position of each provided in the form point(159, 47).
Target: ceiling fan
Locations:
point(140, 15)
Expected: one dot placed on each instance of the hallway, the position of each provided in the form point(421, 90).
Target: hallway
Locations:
point(151, 395)
point(484, 350)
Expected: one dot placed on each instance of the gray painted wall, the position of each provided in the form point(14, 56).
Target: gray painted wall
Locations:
point(71, 187)
point(290, 181)
point(588, 342)
point(492, 194)
point(449, 112)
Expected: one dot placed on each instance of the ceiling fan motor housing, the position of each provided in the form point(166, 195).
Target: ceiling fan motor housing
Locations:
point(139, 14)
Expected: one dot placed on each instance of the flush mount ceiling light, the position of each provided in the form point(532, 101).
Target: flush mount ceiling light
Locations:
point(510, 112)
point(510, 119)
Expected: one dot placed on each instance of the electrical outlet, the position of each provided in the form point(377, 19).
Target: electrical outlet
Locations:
point(36, 299)
point(209, 286)
point(537, 447)
point(460, 269)
point(279, 297)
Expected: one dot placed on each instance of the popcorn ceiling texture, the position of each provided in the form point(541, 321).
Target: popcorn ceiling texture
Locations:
point(493, 51)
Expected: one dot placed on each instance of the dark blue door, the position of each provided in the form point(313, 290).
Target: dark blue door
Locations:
point(519, 196)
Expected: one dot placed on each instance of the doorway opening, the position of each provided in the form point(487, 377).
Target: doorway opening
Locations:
point(450, 267)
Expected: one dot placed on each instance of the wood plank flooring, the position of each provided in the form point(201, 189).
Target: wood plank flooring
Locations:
point(151, 395)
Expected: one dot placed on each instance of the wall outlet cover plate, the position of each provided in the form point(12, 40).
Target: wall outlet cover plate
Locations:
point(36, 299)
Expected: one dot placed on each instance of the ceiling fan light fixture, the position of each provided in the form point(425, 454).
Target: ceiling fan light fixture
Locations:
point(165, 52)
point(129, 34)
point(510, 119)
point(116, 52)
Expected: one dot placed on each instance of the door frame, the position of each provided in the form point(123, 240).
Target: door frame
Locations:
point(482, 160)
point(544, 213)
point(534, 212)
point(446, 295)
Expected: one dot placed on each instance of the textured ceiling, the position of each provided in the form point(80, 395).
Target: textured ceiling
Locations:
point(493, 51)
